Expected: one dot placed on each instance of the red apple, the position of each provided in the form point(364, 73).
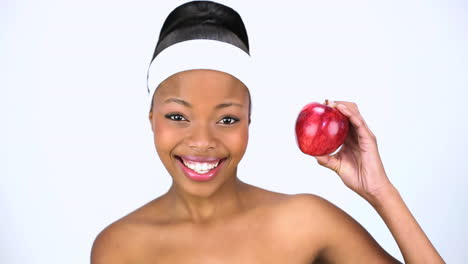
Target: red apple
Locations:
point(320, 129)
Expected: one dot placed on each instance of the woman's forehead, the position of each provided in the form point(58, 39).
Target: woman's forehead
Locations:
point(202, 83)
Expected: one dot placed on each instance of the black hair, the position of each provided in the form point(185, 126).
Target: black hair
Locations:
point(203, 20)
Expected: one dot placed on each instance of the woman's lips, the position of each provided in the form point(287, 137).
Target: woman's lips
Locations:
point(199, 176)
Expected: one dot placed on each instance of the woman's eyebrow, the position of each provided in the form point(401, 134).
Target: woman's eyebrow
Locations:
point(179, 101)
point(227, 105)
point(187, 104)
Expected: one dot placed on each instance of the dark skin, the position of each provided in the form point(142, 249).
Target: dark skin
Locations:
point(225, 220)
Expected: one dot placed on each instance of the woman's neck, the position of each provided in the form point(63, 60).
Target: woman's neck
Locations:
point(227, 200)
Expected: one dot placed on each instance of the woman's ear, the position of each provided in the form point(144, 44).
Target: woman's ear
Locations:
point(151, 119)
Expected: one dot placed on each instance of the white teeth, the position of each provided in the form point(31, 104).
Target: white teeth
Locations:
point(200, 167)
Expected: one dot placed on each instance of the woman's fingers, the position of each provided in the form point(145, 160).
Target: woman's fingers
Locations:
point(352, 112)
point(330, 162)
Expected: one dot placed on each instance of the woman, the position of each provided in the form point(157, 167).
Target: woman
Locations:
point(200, 119)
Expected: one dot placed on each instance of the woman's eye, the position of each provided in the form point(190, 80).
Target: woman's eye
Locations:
point(228, 120)
point(225, 120)
point(175, 117)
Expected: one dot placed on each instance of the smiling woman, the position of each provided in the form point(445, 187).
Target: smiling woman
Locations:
point(200, 118)
point(200, 108)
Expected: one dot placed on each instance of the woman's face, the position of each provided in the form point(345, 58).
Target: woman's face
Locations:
point(200, 120)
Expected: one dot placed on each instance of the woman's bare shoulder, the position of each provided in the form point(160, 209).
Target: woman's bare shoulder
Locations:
point(291, 204)
point(305, 216)
point(112, 244)
point(119, 241)
point(286, 201)
point(312, 205)
point(339, 236)
point(299, 223)
point(319, 216)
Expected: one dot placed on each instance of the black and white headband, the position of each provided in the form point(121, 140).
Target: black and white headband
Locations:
point(199, 54)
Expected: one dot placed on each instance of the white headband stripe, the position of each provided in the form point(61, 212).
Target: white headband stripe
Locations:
point(199, 54)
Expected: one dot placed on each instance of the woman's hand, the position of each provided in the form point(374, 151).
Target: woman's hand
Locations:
point(359, 165)
point(358, 161)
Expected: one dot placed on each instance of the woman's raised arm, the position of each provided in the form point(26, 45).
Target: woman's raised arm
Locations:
point(359, 166)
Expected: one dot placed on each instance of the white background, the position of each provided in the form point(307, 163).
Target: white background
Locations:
point(76, 145)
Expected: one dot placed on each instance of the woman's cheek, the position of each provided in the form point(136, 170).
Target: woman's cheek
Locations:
point(238, 140)
point(164, 135)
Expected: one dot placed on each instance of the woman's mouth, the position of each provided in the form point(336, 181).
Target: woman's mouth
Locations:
point(200, 168)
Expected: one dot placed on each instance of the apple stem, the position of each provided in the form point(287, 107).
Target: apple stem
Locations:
point(326, 101)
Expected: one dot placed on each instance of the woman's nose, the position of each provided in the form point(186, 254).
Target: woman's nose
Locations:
point(201, 138)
